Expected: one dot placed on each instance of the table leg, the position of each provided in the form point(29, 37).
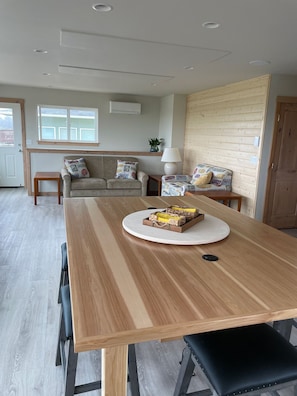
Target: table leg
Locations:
point(59, 192)
point(114, 371)
point(239, 204)
point(35, 190)
point(159, 187)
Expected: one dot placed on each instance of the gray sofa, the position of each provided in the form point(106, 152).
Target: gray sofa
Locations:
point(102, 182)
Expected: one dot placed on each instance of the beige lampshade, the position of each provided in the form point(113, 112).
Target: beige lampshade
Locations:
point(171, 156)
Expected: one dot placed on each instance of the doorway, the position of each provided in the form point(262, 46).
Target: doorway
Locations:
point(281, 193)
point(11, 144)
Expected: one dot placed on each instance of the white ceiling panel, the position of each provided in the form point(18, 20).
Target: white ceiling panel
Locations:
point(163, 58)
point(143, 47)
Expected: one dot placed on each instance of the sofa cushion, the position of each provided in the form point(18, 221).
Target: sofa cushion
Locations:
point(200, 169)
point(219, 175)
point(126, 169)
point(123, 184)
point(77, 168)
point(201, 179)
point(91, 183)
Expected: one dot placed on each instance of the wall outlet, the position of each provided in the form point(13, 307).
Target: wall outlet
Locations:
point(256, 141)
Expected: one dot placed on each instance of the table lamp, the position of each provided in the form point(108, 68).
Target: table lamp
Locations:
point(170, 156)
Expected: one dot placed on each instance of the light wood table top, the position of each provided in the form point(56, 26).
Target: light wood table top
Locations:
point(127, 290)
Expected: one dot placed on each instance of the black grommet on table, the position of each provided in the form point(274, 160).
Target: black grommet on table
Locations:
point(210, 257)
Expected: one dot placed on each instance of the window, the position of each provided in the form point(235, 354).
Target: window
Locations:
point(6, 127)
point(67, 124)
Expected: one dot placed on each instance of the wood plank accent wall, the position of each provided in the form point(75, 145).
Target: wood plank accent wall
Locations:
point(221, 126)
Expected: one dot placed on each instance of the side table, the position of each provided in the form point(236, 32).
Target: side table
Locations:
point(39, 176)
point(219, 195)
point(156, 178)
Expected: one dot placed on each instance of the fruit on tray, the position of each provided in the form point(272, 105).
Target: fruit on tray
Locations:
point(189, 213)
point(168, 218)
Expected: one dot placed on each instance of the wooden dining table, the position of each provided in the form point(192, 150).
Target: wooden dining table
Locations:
point(125, 289)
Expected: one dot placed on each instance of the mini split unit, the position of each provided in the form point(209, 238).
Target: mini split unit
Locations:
point(124, 108)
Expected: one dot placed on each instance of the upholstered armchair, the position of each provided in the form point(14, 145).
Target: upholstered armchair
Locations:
point(205, 177)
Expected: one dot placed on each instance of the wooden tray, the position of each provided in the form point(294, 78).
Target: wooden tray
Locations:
point(170, 227)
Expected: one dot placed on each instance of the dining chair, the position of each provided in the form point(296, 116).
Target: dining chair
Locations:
point(246, 360)
point(285, 327)
point(64, 280)
point(68, 358)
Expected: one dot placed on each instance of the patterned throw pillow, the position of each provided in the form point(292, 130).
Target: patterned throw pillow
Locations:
point(126, 170)
point(200, 180)
point(77, 168)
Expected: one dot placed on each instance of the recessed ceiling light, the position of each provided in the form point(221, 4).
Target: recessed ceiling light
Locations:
point(259, 62)
point(211, 25)
point(102, 7)
point(40, 51)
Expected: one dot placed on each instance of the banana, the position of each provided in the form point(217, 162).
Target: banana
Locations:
point(162, 217)
point(179, 208)
point(183, 211)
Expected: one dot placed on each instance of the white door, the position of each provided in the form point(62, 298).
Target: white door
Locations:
point(11, 153)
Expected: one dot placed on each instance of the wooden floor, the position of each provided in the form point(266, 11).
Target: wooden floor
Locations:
point(30, 262)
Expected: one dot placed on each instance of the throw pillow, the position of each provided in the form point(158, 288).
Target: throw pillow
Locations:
point(77, 168)
point(200, 180)
point(126, 169)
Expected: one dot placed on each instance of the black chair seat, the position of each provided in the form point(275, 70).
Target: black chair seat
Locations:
point(244, 359)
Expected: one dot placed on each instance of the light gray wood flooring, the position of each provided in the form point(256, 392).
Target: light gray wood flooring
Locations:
point(30, 262)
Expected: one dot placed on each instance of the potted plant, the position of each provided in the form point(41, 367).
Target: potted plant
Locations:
point(155, 143)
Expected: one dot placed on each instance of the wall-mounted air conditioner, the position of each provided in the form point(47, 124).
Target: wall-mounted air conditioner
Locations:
point(124, 108)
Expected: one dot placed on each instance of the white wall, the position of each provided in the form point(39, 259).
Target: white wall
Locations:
point(165, 125)
point(172, 122)
point(116, 131)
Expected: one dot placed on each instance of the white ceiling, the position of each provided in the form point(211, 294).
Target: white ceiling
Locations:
point(143, 46)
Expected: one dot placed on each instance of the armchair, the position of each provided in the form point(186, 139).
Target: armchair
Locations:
point(205, 177)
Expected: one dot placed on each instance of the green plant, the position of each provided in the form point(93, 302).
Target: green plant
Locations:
point(155, 142)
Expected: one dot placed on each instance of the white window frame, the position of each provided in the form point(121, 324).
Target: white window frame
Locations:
point(68, 126)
